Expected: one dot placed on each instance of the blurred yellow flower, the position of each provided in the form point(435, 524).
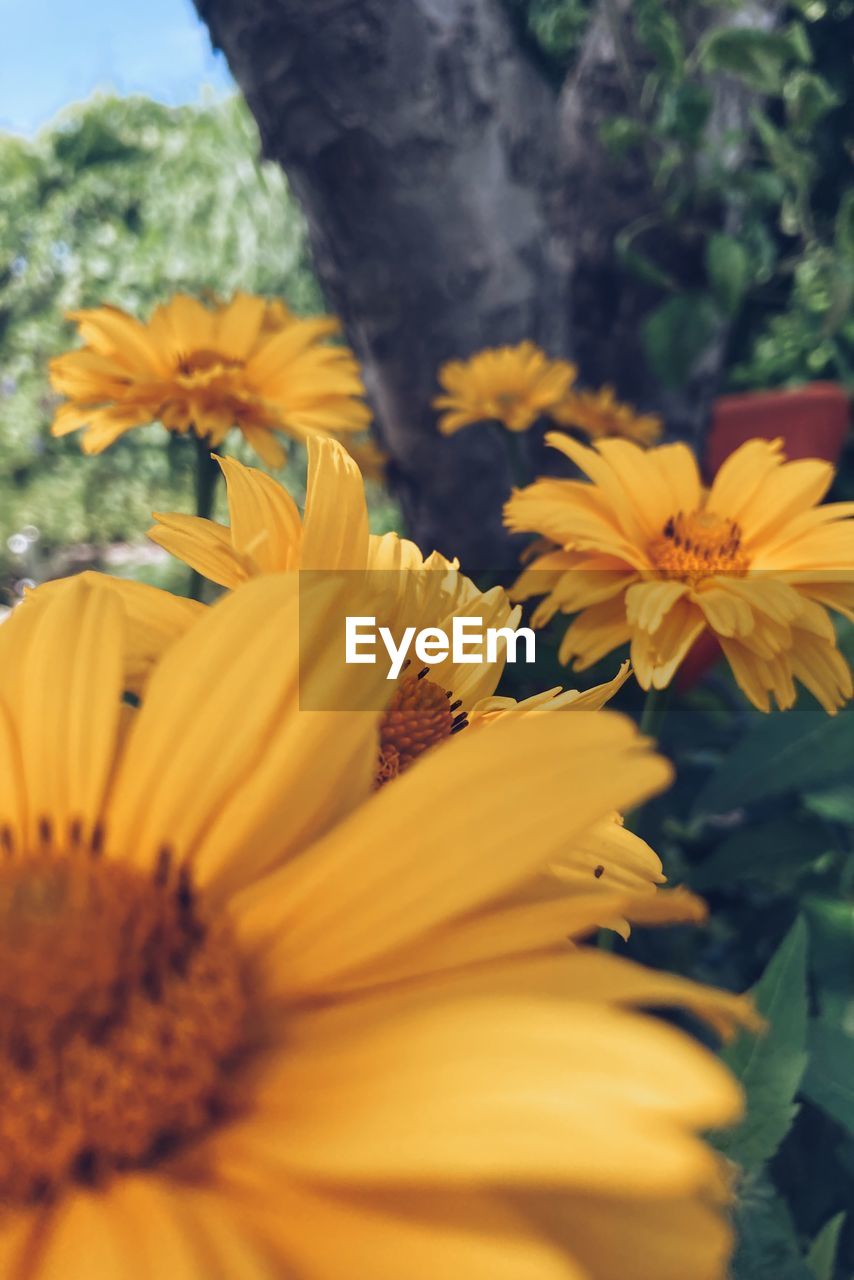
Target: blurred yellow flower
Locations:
point(257, 1022)
point(247, 364)
point(510, 385)
point(600, 413)
point(644, 554)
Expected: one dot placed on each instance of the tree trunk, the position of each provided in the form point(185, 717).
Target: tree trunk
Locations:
point(454, 200)
point(423, 148)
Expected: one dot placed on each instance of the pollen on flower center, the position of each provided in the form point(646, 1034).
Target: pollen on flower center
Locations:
point(121, 1006)
point(420, 715)
point(698, 545)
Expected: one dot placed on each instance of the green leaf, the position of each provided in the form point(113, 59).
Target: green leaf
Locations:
point(767, 1244)
point(795, 35)
point(792, 162)
point(795, 750)
point(821, 1258)
point(684, 112)
point(759, 58)
point(659, 32)
point(831, 928)
point(844, 226)
point(676, 334)
point(770, 1065)
point(808, 98)
point(834, 805)
point(621, 135)
point(829, 1081)
point(774, 853)
point(638, 262)
point(728, 269)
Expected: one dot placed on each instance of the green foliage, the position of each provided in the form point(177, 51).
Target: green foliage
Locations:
point(829, 1083)
point(800, 750)
point(763, 215)
point(555, 28)
point(767, 1246)
point(822, 1255)
point(775, 853)
point(770, 1065)
point(676, 334)
point(728, 270)
point(122, 201)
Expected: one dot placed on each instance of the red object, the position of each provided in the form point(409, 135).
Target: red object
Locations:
point(812, 422)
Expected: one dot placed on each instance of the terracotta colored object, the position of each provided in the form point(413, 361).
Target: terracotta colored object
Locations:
point(813, 423)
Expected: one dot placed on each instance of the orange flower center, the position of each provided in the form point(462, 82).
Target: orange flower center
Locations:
point(120, 1008)
point(699, 545)
point(206, 362)
point(420, 715)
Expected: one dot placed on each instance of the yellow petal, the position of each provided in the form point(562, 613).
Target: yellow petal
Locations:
point(177, 1231)
point(265, 524)
point(264, 777)
point(265, 444)
point(584, 1096)
point(335, 528)
point(417, 854)
point(238, 325)
point(614, 1238)
point(69, 707)
point(85, 1239)
point(423, 1235)
point(202, 544)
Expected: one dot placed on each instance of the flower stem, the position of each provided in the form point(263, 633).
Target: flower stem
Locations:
point(207, 475)
point(654, 710)
point(520, 464)
point(652, 718)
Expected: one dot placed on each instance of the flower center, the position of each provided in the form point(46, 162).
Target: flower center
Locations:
point(120, 1008)
point(420, 715)
point(206, 362)
point(699, 545)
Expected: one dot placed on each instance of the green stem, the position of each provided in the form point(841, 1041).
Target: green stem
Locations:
point(520, 466)
point(652, 718)
point(654, 710)
point(207, 476)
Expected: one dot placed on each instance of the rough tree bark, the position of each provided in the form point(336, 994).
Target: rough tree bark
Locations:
point(454, 201)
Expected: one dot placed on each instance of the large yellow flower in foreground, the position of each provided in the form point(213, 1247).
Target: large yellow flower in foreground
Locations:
point(645, 554)
point(510, 385)
point(248, 364)
point(600, 413)
point(257, 1022)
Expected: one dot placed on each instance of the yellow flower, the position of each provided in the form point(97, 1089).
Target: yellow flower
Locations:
point(429, 706)
point(257, 1022)
point(248, 364)
point(268, 535)
point(646, 555)
point(600, 413)
point(510, 385)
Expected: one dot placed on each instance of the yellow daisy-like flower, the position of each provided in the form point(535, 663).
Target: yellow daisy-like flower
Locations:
point(644, 554)
point(248, 364)
point(268, 535)
point(600, 413)
point(257, 1022)
point(427, 707)
point(510, 385)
